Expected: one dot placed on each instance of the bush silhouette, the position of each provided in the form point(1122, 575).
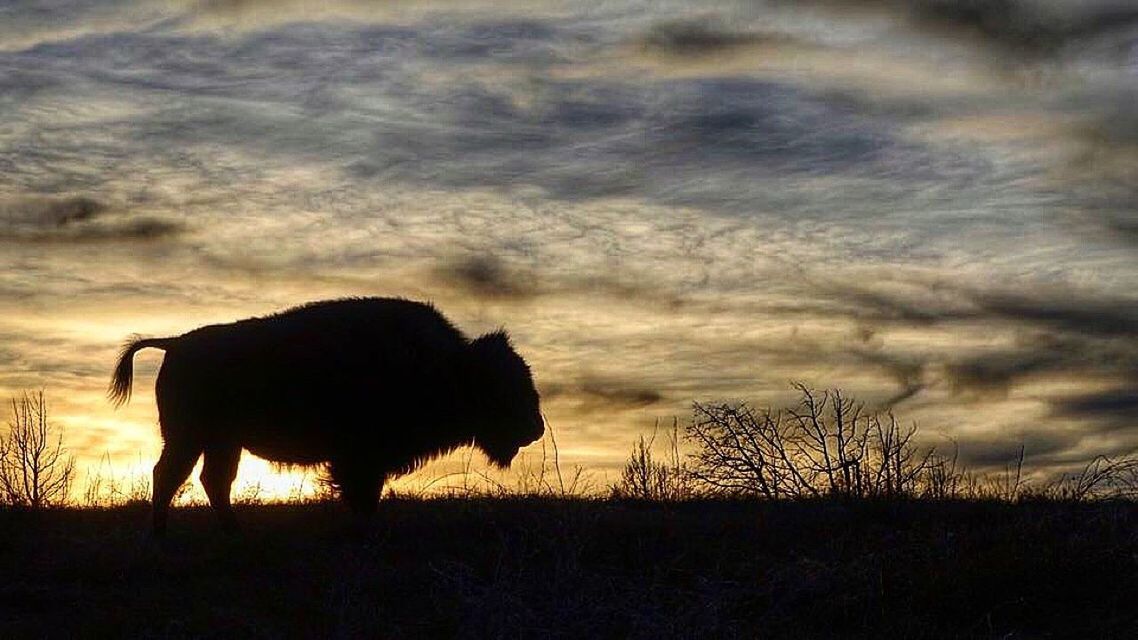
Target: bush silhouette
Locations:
point(35, 469)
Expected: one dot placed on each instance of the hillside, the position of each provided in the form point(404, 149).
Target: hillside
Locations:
point(579, 569)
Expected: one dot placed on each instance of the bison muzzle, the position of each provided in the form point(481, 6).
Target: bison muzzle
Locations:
point(371, 387)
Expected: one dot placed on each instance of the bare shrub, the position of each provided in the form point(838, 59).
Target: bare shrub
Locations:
point(35, 469)
point(93, 489)
point(1008, 485)
point(826, 445)
point(646, 477)
point(943, 477)
point(1102, 477)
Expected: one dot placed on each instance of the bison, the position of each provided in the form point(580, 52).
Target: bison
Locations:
point(371, 387)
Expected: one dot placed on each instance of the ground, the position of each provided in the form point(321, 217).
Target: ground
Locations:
point(519, 568)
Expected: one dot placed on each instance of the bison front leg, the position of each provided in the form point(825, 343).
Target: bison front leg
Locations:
point(218, 472)
point(359, 486)
point(173, 467)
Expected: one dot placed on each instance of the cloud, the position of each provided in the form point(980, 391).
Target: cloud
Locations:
point(1113, 409)
point(1125, 228)
point(24, 25)
point(916, 306)
point(697, 36)
point(626, 396)
point(263, 14)
point(672, 142)
point(1039, 447)
point(467, 106)
point(995, 372)
point(997, 340)
point(77, 219)
point(922, 302)
point(1031, 26)
point(475, 117)
point(1104, 167)
point(908, 371)
point(593, 394)
point(50, 212)
point(1066, 311)
point(1027, 27)
point(487, 276)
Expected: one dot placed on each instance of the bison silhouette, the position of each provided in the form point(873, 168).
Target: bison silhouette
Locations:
point(372, 387)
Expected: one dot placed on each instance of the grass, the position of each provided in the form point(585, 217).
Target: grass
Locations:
point(576, 568)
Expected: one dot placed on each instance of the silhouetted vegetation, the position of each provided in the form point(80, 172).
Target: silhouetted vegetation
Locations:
point(1102, 476)
point(577, 568)
point(646, 476)
point(35, 469)
point(831, 446)
point(103, 488)
point(828, 445)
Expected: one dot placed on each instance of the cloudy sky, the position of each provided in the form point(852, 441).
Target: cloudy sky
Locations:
point(929, 203)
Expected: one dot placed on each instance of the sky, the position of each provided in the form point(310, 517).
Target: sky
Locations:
point(930, 204)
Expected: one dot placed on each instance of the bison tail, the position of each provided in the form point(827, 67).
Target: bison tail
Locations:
point(119, 391)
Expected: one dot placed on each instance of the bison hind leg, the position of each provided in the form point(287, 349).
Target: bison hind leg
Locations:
point(359, 485)
point(218, 472)
point(173, 467)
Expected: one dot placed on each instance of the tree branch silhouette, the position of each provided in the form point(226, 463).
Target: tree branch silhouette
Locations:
point(35, 469)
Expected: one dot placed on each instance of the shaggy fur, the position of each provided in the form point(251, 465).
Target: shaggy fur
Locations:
point(371, 387)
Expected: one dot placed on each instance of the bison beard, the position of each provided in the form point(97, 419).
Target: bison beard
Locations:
point(371, 387)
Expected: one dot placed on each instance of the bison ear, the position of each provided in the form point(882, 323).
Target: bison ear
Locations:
point(493, 352)
point(495, 341)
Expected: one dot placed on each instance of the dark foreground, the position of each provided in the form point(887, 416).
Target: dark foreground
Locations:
point(579, 569)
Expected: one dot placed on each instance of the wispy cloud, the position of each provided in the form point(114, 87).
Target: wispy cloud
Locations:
point(77, 219)
point(1026, 27)
point(929, 203)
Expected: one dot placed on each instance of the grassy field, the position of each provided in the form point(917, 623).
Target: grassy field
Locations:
point(497, 568)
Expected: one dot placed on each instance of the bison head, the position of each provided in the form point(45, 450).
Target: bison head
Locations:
point(508, 415)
